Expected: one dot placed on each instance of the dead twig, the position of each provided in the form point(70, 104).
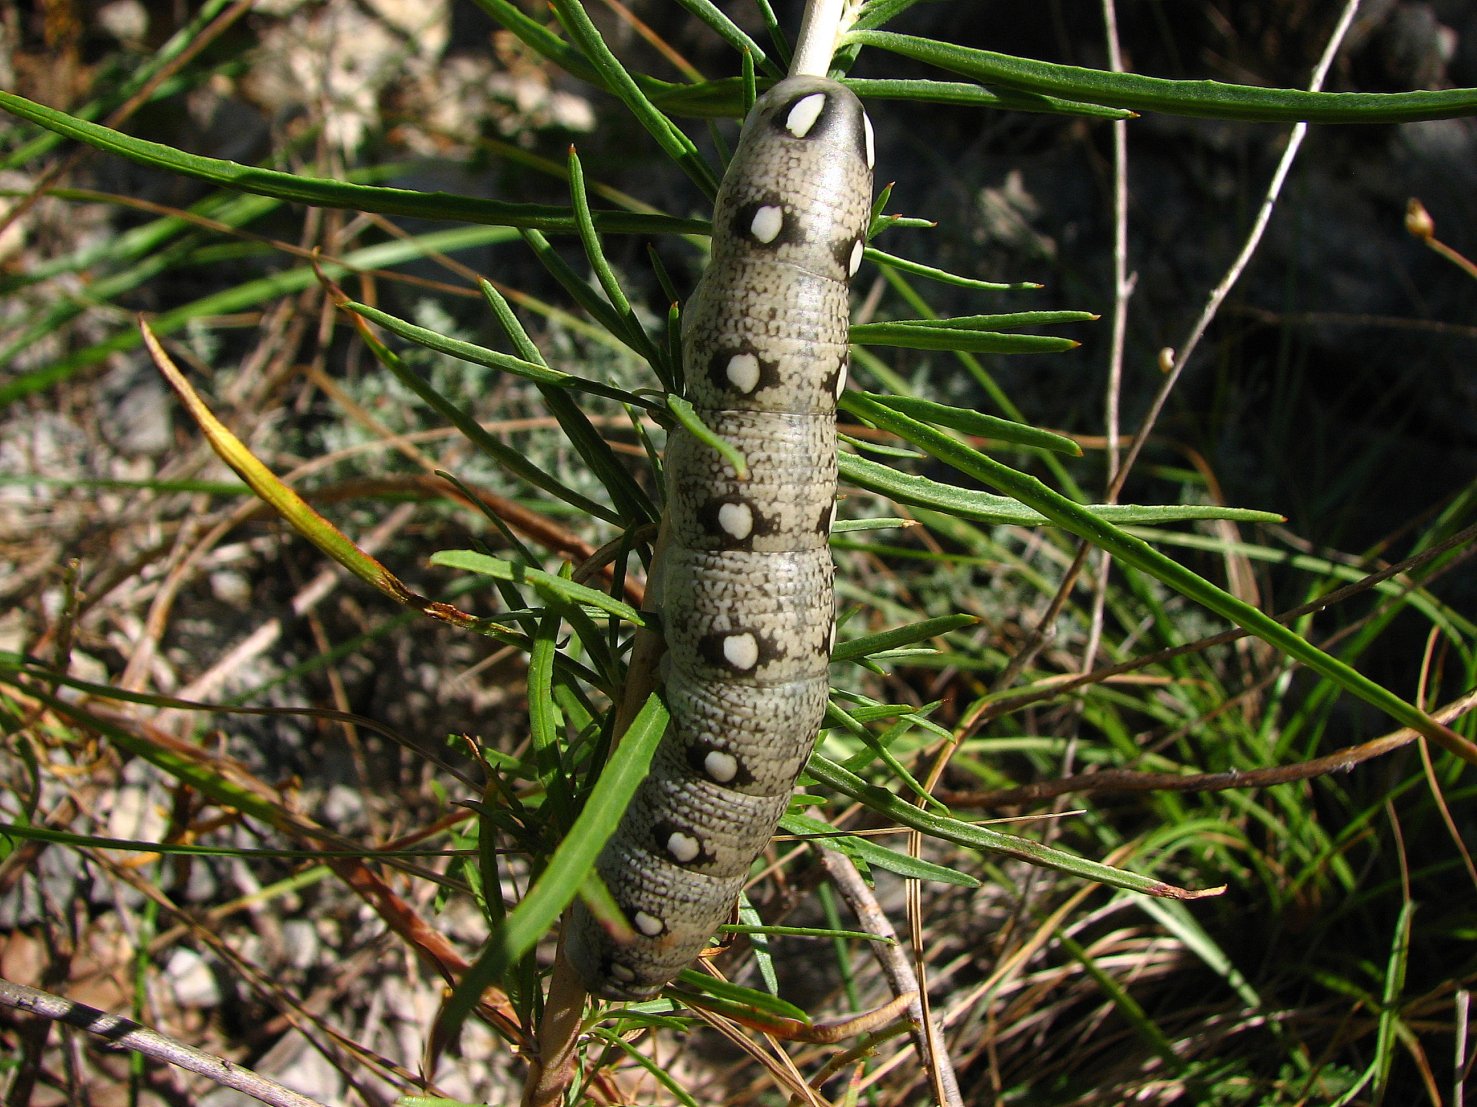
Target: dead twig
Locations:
point(124, 1034)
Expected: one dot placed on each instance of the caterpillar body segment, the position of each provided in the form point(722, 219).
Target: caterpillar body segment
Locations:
point(745, 582)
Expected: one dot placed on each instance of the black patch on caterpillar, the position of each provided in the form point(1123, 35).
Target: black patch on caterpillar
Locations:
point(624, 979)
point(661, 834)
point(824, 121)
point(823, 524)
point(743, 223)
point(769, 374)
point(697, 759)
point(833, 379)
point(708, 516)
point(710, 648)
point(842, 250)
point(630, 917)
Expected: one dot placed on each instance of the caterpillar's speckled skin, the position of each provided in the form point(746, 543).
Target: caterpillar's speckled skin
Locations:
point(744, 586)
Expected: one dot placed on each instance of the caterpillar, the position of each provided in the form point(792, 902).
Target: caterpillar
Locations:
point(744, 584)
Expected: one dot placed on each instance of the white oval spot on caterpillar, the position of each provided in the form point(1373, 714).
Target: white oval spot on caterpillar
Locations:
point(831, 639)
point(721, 767)
point(621, 974)
point(683, 847)
point(767, 223)
point(871, 141)
point(737, 520)
point(830, 526)
point(803, 114)
point(856, 258)
point(649, 925)
point(743, 372)
point(841, 377)
point(741, 651)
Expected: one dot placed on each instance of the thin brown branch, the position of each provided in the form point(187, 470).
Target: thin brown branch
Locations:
point(1464, 542)
point(1127, 780)
point(899, 973)
point(122, 1033)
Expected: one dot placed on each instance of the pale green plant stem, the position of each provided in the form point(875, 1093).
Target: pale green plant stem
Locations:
point(821, 28)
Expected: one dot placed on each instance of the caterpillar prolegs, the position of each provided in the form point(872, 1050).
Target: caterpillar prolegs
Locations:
point(744, 585)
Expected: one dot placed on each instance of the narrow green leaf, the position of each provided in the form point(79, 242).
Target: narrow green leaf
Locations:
point(954, 92)
point(877, 749)
point(459, 417)
point(986, 507)
point(752, 924)
point(540, 39)
point(974, 836)
point(806, 932)
point(658, 1072)
point(327, 193)
point(543, 720)
point(878, 856)
point(911, 336)
point(1006, 322)
point(1198, 98)
point(480, 355)
point(575, 857)
point(853, 526)
point(977, 423)
point(720, 995)
point(1133, 551)
point(630, 500)
point(901, 636)
point(548, 584)
point(615, 78)
point(942, 276)
point(629, 327)
point(731, 33)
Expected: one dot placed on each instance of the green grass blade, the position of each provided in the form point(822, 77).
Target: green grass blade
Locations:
point(942, 276)
point(868, 851)
point(550, 585)
point(1128, 1007)
point(574, 859)
point(629, 327)
point(1210, 99)
point(615, 78)
point(250, 294)
point(978, 837)
point(1139, 554)
point(898, 637)
point(966, 95)
point(977, 423)
point(1394, 988)
point(731, 33)
point(326, 193)
point(911, 336)
point(986, 507)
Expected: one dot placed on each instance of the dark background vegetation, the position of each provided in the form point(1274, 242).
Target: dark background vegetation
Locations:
point(1337, 388)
